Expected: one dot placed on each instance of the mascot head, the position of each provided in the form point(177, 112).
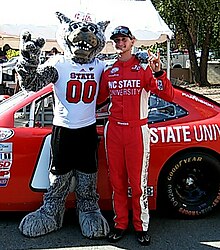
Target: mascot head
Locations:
point(81, 41)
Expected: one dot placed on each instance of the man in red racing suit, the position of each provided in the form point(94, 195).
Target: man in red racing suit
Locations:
point(127, 134)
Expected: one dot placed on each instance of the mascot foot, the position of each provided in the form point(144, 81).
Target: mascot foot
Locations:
point(49, 217)
point(93, 224)
point(39, 223)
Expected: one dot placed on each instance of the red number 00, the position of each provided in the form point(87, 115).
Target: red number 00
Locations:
point(74, 92)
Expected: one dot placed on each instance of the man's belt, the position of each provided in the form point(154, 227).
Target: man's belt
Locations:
point(134, 123)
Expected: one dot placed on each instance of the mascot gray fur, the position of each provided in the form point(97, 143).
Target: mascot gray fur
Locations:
point(81, 42)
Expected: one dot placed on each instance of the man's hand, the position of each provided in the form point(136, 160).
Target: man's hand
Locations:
point(154, 61)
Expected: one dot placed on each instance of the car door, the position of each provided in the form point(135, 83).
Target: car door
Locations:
point(25, 153)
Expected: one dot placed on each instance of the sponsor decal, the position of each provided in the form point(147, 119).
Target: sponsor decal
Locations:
point(175, 134)
point(181, 163)
point(114, 70)
point(136, 68)
point(6, 134)
point(5, 163)
point(4, 182)
point(160, 84)
point(149, 191)
point(197, 99)
point(5, 147)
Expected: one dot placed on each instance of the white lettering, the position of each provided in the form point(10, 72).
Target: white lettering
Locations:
point(187, 133)
point(162, 131)
point(197, 99)
point(198, 136)
point(214, 132)
point(124, 84)
point(170, 135)
point(112, 85)
point(208, 132)
point(154, 136)
point(178, 131)
point(125, 92)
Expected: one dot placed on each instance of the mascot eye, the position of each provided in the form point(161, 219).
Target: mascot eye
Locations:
point(75, 26)
point(92, 29)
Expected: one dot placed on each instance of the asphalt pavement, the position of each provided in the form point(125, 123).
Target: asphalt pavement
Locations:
point(167, 234)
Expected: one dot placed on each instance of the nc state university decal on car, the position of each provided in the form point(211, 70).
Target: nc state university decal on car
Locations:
point(5, 134)
point(187, 133)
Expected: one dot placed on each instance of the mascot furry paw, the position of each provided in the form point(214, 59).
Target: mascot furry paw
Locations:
point(76, 76)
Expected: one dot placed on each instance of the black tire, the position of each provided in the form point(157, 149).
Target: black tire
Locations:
point(191, 184)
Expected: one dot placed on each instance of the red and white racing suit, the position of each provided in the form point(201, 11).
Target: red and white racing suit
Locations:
point(127, 135)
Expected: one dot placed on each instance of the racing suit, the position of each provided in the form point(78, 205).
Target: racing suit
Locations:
point(127, 135)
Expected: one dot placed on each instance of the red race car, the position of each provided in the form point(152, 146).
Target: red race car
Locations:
point(3, 97)
point(184, 172)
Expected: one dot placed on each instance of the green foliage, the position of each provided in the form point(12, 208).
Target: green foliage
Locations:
point(192, 17)
point(195, 24)
point(153, 48)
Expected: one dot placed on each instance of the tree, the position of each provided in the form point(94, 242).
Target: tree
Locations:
point(196, 23)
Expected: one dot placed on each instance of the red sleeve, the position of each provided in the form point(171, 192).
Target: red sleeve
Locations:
point(103, 89)
point(161, 85)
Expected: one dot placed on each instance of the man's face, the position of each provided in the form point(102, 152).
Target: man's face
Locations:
point(123, 43)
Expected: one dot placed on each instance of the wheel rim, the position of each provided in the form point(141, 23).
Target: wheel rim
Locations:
point(195, 185)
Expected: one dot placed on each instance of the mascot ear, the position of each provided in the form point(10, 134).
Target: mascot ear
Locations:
point(25, 36)
point(103, 25)
point(62, 17)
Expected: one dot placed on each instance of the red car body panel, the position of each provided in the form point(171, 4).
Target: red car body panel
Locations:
point(198, 128)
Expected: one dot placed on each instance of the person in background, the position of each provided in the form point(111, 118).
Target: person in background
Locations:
point(127, 136)
point(53, 51)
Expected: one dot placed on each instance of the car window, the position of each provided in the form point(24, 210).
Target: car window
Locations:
point(159, 110)
point(36, 114)
point(40, 113)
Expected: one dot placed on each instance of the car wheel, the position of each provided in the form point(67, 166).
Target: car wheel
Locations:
point(191, 184)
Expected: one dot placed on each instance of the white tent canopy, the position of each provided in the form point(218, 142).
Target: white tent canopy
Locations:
point(140, 16)
point(10, 34)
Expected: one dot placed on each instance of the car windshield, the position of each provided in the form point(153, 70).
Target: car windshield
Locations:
point(14, 100)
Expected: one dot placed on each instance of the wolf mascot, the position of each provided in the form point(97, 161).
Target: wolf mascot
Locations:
point(74, 140)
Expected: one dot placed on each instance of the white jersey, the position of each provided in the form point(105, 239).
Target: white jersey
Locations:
point(76, 92)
